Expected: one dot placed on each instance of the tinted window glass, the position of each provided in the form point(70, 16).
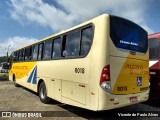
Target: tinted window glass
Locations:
point(72, 44)
point(35, 52)
point(48, 49)
point(21, 55)
point(15, 56)
point(154, 47)
point(40, 52)
point(18, 55)
point(28, 53)
point(87, 35)
point(127, 35)
point(56, 48)
point(17, 59)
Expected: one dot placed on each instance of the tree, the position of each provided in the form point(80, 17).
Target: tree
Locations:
point(3, 59)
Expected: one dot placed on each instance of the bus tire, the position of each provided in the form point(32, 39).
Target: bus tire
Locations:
point(14, 80)
point(43, 93)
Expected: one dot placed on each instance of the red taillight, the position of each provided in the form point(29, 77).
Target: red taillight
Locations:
point(105, 76)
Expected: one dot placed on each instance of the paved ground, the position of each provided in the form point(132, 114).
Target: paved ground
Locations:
point(20, 99)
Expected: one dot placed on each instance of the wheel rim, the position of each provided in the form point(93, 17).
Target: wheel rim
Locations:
point(43, 92)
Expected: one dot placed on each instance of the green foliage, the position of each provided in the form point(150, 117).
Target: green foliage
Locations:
point(3, 59)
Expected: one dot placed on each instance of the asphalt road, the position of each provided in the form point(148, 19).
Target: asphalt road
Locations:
point(21, 99)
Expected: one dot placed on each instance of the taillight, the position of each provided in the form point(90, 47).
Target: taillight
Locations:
point(105, 76)
point(105, 79)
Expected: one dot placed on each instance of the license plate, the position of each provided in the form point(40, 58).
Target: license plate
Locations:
point(133, 99)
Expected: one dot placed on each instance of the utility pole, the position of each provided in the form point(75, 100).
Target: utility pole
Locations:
point(8, 50)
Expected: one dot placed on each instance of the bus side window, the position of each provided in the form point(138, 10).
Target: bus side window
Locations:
point(56, 48)
point(40, 51)
point(28, 53)
point(18, 58)
point(47, 49)
point(14, 56)
point(87, 36)
point(72, 46)
point(64, 52)
point(35, 52)
point(21, 55)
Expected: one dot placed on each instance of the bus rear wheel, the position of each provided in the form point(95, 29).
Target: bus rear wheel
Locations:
point(43, 93)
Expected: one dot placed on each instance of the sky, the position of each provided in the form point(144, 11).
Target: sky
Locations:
point(25, 21)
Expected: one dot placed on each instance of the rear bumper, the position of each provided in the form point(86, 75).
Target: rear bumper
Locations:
point(110, 101)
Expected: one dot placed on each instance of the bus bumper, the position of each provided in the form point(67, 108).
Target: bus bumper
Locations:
point(110, 101)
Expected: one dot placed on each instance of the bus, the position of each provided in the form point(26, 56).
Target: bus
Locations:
point(154, 65)
point(98, 65)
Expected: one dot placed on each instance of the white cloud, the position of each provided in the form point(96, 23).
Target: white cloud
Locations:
point(39, 12)
point(15, 43)
point(134, 10)
point(77, 11)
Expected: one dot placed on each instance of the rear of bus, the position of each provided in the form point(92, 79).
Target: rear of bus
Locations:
point(125, 76)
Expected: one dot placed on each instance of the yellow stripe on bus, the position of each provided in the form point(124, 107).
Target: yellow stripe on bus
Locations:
point(22, 69)
point(127, 78)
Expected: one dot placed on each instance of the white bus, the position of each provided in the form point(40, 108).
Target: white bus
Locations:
point(98, 65)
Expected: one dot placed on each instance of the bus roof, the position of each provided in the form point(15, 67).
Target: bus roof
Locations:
point(155, 35)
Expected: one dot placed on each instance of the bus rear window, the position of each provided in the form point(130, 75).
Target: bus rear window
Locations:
point(127, 35)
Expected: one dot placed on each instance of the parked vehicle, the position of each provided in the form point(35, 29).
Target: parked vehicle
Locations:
point(154, 68)
point(4, 67)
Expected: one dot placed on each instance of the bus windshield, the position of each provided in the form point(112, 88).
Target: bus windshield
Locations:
point(154, 48)
point(127, 35)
